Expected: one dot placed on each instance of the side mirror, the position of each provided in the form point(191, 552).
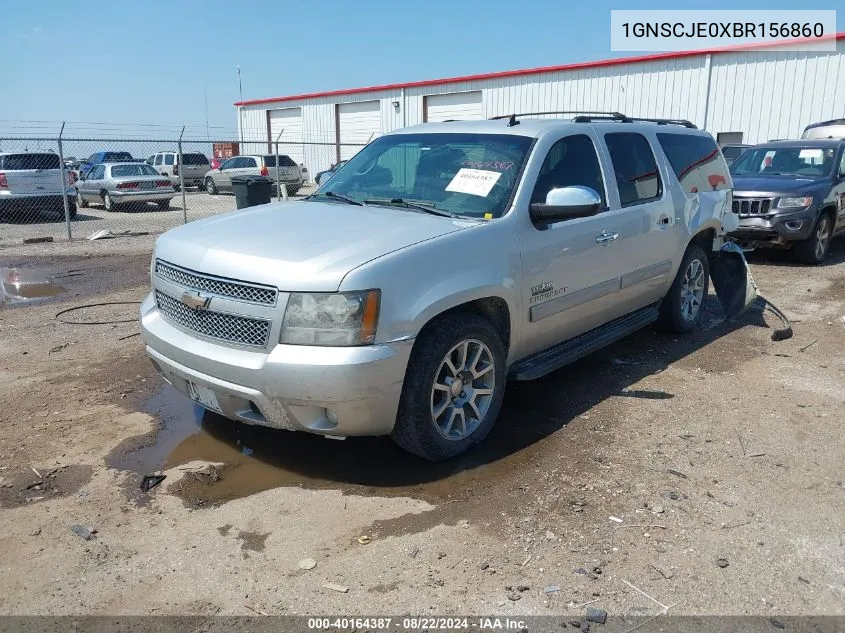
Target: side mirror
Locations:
point(566, 203)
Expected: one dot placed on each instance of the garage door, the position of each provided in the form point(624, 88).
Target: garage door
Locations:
point(357, 123)
point(459, 106)
point(289, 123)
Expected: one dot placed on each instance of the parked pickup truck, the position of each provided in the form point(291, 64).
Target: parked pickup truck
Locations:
point(440, 262)
point(791, 194)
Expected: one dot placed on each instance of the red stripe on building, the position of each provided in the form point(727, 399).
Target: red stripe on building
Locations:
point(549, 69)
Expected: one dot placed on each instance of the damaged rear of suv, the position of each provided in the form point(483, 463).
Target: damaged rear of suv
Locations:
point(440, 262)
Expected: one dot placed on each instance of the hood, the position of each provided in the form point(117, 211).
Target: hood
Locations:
point(776, 185)
point(307, 246)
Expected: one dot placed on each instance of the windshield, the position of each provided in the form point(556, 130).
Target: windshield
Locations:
point(472, 175)
point(194, 159)
point(115, 156)
point(808, 162)
point(140, 169)
point(14, 162)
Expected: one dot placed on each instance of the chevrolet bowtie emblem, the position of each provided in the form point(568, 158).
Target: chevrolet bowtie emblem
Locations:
point(195, 300)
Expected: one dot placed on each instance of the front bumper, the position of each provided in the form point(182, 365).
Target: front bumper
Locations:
point(141, 196)
point(776, 230)
point(339, 391)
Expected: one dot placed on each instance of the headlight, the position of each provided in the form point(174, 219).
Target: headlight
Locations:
point(345, 318)
point(795, 202)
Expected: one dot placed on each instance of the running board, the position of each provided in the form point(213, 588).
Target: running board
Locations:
point(569, 351)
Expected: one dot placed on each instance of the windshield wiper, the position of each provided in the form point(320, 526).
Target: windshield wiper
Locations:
point(337, 196)
point(418, 206)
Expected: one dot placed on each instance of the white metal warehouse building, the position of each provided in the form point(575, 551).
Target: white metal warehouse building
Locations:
point(746, 94)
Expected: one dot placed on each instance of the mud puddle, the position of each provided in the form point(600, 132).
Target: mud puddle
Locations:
point(23, 286)
point(250, 459)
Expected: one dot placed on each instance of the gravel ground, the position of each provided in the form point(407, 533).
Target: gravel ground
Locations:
point(704, 471)
point(136, 219)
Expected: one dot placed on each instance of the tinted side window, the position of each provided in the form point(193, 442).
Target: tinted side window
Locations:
point(168, 159)
point(92, 158)
point(248, 162)
point(98, 172)
point(571, 161)
point(158, 159)
point(635, 168)
point(229, 164)
point(696, 162)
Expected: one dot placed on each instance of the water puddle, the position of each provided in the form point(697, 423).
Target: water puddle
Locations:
point(256, 458)
point(21, 286)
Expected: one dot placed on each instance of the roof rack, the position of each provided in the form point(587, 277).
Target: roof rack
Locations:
point(587, 116)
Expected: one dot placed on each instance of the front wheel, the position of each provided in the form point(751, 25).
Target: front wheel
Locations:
point(814, 249)
point(453, 389)
point(681, 308)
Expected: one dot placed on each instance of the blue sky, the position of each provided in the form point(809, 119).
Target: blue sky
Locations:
point(152, 62)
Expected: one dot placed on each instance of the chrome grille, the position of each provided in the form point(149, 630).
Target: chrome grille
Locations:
point(242, 291)
point(217, 325)
point(752, 206)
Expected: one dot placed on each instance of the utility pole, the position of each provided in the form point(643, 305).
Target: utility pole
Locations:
point(240, 108)
point(205, 95)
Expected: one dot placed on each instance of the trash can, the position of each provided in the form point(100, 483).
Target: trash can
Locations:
point(252, 190)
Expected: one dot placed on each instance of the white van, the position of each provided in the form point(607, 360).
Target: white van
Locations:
point(825, 129)
point(194, 166)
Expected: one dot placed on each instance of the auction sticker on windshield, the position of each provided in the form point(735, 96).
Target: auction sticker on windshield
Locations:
point(476, 182)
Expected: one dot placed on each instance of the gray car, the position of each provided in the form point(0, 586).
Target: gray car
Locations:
point(442, 261)
point(117, 184)
point(289, 173)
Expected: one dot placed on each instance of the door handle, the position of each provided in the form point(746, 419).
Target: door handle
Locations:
point(606, 237)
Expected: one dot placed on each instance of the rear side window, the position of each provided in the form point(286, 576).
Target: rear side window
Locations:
point(696, 161)
point(194, 159)
point(14, 162)
point(168, 159)
point(634, 167)
point(247, 162)
point(284, 161)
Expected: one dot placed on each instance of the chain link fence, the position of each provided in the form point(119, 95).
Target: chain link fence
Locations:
point(56, 188)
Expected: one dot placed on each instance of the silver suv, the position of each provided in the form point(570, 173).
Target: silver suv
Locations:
point(193, 167)
point(440, 262)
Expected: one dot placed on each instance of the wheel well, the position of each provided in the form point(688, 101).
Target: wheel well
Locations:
point(494, 309)
point(705, 240)
point(831, 211)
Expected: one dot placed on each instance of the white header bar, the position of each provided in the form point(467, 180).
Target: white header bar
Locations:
point(681, 30)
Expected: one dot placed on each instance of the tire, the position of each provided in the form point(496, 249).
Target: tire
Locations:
point(71, 210)
point(422, 422)
point(681, 308)
point(82, 204)
point(210, 187)
point(163, 204)
point(108, 203)
point(814, 249)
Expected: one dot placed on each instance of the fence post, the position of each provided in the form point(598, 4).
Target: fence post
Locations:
point(182, 179)
point(64, 182)
point(280, 193)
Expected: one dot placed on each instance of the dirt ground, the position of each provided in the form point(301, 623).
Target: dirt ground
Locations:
point(704, 471)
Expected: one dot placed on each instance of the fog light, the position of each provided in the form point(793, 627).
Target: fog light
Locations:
point(331, 416)
point(794, 225)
